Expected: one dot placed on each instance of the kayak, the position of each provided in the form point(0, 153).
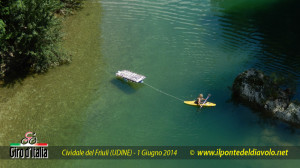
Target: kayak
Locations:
point(207, 104)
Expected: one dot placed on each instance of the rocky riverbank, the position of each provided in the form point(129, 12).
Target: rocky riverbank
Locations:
point(259, 91)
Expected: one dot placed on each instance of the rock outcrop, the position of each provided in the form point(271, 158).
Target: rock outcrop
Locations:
point(259, 91)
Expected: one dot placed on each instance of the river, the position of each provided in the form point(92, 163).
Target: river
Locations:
point(183, 47)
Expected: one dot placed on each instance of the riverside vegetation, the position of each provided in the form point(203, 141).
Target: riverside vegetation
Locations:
point(30, 36)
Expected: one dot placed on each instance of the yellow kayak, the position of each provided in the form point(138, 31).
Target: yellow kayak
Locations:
point(207, 104)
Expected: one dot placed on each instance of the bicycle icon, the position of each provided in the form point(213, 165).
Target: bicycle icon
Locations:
point(29, 139)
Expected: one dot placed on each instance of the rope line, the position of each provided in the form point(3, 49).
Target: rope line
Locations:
point(163, 92)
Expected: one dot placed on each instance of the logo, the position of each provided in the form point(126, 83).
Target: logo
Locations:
point(29, 147)
point(29, 140)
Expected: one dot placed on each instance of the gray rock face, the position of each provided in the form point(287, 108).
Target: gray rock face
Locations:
point(258, 90)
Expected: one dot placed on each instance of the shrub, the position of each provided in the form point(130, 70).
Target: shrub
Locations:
point(29, 36)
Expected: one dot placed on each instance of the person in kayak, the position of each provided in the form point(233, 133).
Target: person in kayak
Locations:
point(199, 99)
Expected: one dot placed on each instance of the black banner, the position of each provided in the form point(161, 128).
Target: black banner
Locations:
point(151, 152)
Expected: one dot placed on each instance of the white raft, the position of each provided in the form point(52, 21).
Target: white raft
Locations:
point(130, 76)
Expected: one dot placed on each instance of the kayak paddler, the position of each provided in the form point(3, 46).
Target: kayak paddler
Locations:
point(199, 99)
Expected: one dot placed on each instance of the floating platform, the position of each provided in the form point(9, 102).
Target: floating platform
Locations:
point(130, 76)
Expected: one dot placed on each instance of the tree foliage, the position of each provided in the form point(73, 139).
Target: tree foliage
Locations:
point(74, 4)
point(69, 5)
point(29, 36)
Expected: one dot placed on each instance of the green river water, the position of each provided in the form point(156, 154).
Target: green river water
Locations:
point(183, 47)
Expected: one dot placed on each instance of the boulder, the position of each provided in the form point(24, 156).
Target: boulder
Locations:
point(258, 90)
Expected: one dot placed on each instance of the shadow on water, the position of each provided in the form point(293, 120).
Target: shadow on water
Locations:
point(269, 29)
point(265, 119)
point(13, 77)
point(126, 87)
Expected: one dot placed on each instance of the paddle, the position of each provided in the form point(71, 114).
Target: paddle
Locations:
point(205, 100)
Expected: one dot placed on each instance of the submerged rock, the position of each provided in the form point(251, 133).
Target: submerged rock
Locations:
point(258, 90)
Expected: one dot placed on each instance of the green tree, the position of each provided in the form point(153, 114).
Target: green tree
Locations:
point(69, 5)
point(74, 4)
point(29, 36)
